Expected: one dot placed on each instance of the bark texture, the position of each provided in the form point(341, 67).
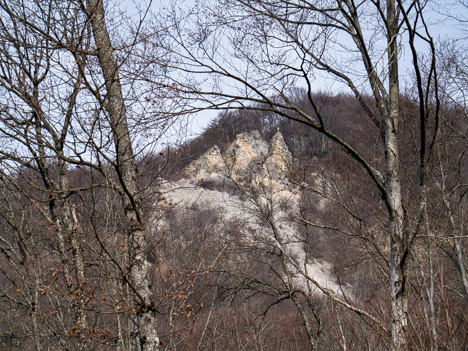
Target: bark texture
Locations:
point(398, 249)
point(128, 177)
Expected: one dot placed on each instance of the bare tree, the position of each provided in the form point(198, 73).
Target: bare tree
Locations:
point(126, 168)
point(67, 134)
point(249, 54)
point(84, 97)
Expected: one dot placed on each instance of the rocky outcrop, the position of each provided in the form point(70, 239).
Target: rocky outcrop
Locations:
point(246, 153)
point(210, 164)
point(265, 210)
point(249, 157)
point(279, 159)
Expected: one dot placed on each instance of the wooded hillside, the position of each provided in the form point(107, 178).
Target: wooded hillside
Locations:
point(323, 209)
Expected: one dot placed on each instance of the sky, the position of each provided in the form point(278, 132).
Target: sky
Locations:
point(440, 19)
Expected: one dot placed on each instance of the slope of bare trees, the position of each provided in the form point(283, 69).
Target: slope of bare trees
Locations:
point(87, 95)
point(70, 117)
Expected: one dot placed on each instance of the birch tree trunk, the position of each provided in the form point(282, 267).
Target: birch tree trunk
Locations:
point(399, 304)
point(127, 171)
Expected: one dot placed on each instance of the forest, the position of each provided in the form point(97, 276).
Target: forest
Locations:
point(323, 208)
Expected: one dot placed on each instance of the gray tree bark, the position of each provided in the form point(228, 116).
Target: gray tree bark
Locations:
point(127, 171)
point(398, 247)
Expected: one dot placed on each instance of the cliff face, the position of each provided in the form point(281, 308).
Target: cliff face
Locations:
point(279, 159)
point(266, 205)
point(248, 158)
point(246, 153)
point(210, 164)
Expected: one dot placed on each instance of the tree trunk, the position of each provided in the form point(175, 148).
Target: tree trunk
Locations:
point(399, 304)
point(65, 225)
point(127, 172)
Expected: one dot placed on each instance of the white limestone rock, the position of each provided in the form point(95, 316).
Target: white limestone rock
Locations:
point(210, 164)
point(262, 169)
point(279, 158)
point(246, 152)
